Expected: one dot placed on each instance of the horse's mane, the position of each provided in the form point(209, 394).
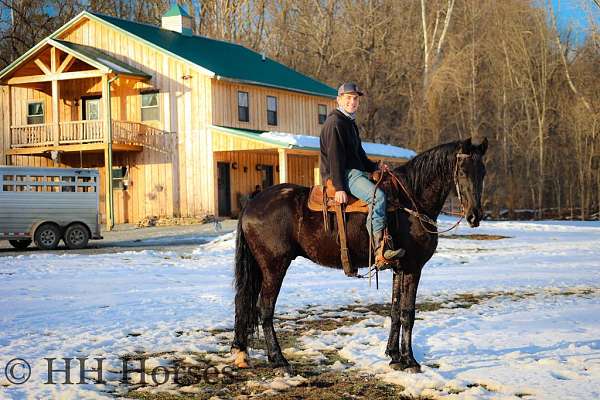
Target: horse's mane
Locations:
point(437, 161)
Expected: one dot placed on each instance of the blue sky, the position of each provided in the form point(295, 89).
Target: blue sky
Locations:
point(576, 14)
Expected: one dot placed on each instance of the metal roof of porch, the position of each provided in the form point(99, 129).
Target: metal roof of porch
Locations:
point(311, 143)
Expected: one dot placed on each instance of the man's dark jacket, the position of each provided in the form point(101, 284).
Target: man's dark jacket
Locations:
point(341, 149)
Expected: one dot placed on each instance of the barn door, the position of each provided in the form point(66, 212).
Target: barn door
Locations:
point(224, 189)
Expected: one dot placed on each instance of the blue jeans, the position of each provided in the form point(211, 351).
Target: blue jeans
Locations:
point(362, 187)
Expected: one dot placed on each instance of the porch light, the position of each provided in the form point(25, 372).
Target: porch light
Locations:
point(234, 165)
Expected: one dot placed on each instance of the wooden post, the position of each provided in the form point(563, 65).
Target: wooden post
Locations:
point(283, 165)
point(10, 134)
point(108, 198)
point(317, 175)
point(55, 96)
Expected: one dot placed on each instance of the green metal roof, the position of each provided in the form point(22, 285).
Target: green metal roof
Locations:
point(176, 10)
point(225, 60)
point(95, 56)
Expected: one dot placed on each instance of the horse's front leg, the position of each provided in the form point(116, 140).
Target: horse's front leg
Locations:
point(406, 361)
point(393, 344)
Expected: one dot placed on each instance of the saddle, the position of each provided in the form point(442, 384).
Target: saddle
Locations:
point(322, 199)
point(320, 196)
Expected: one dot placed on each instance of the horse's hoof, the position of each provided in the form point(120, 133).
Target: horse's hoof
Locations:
point(241, 358)
point(413, 368)
point(284, 370)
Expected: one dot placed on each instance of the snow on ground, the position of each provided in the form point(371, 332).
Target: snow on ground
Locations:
point(535, 335)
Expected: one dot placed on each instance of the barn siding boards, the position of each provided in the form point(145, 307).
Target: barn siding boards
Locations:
point(167, 76)
point(296, 112)
point(180, 181)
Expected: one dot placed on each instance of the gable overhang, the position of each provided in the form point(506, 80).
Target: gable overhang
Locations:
point(102, 64)
point(75, 20)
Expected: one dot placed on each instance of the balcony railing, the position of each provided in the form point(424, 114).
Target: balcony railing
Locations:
point(85, 132)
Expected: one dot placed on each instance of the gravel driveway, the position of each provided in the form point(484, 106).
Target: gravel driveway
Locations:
point(126, 237)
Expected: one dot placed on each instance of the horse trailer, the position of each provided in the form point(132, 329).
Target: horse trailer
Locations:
point(45, 205)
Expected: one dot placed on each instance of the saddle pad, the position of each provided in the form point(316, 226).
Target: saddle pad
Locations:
point(315, 202)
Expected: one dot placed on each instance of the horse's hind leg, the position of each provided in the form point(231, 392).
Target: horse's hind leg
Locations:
point(268, 297)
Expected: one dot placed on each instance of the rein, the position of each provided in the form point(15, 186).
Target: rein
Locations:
point(414, 212)
point(423, 217)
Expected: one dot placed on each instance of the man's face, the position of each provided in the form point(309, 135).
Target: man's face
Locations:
point(349, 102)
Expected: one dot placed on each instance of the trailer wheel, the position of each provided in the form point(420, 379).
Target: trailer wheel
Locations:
point(20, 244)
point(77, 236)
point(47, 236)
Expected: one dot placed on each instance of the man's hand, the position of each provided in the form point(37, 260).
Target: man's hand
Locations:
point(341, 197)
point(384, 167)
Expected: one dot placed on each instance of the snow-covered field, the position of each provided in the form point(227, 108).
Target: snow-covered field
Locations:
point(534, 331)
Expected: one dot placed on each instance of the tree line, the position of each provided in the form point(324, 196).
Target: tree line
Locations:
point(433, 70)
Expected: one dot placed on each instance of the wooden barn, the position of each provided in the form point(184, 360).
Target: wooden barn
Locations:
point(178, 125)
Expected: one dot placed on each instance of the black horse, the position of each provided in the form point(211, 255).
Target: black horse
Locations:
point(277, 226)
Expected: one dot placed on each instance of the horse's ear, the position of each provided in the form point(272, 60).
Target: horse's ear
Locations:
point(480, 145)
point(466, 146)
point(483, 146)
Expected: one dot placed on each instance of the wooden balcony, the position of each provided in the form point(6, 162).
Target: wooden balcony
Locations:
point(86, 136)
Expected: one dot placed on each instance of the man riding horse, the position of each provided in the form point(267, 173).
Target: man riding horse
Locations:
point(345, 164)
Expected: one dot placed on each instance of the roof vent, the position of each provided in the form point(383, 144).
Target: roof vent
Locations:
point(177, 20)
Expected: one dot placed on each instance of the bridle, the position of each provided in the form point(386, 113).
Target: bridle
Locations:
point(422, 218)
point(415, 210)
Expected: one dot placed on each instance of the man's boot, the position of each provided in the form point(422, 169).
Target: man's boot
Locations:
point(385, 258)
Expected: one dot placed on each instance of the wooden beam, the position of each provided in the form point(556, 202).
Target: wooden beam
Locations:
point(10, 111)
point(73, 148)
point(317, 175)
point(55, 115)
point(283, 165)
point(66, 64)
point(42, 66)
point(53, 59)
point(55, 77)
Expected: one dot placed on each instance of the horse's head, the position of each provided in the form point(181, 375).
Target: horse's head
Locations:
point(468, 178)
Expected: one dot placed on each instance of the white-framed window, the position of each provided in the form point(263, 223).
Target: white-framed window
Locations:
point(243, 107)
point(271, 110)
point(35, 113)
point(322, 113)
point(150, 108)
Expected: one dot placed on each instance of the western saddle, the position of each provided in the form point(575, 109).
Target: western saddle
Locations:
point(322, 199)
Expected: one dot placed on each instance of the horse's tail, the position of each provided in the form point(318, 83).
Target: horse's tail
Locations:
point(248, 281)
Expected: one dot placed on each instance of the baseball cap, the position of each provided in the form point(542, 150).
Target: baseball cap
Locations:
point(349, 87)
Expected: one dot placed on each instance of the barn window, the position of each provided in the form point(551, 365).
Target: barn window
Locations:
point(35, 113)
point(243, 108)
point(150, 109)
point(271, 110)
point(322, 113)
point(120, 177)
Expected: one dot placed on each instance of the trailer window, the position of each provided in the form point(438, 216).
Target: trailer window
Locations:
point(68, 184)
point(86, 184)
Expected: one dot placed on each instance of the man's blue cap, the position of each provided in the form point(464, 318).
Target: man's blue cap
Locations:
point(349, 87)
